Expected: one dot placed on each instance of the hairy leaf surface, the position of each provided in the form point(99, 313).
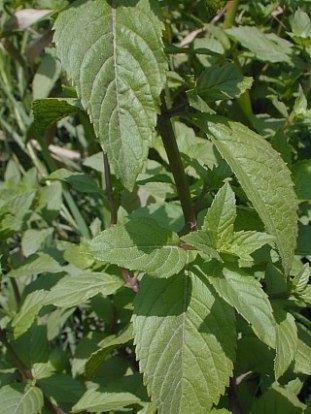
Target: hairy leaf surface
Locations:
point(113, 53)
point(185, 343)
point(47, 112)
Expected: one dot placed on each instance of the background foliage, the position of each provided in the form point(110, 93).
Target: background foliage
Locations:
point(220, 322)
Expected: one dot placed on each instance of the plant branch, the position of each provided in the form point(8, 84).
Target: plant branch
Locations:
point(167, 133)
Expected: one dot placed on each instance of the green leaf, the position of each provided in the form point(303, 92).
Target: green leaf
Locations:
point(76, 290)
point(114, 54)
point(149, 408)
point(300, 109)
point(46, 76)
point(81, 182)
point(220, 217)
point(266, 47)
point(221, 83)
point(63, 388)
point(29, 309)
point(301, 279)
point(244, 243)
point(302, 176)
point(76, 254)
point(201, 241)
point(215, 4)
point(246, 295)
point(86, 346)
point(194, 147)
point(265, 179)
point(106, 347)
point(167, 215)
point(140, 244)
point(279, 399)
point(301, 27)
point(37, 264)
point(218, 231)
point(13, 210)
point(302, 362)
point(32, 346)
point(286, 341)
point(33, 240)
point(306, 295)
point(20, 399)
point(113, 397)
point(47, 112)
point(56, 320)
point(301, 24)
point(185, 342)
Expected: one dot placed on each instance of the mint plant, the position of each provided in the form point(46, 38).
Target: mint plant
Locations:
point(159, 262)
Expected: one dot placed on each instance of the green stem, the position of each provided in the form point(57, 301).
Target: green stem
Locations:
point(16, 291)
point(244, 101)
point(232, 8)
point(109, 192)
point(167, 133)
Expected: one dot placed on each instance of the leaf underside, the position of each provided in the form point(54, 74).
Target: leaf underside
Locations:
point(113, 53)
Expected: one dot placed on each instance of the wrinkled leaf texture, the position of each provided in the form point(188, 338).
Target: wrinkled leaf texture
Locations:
point(264, 177)
point(113, 52)
point(185, 342)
